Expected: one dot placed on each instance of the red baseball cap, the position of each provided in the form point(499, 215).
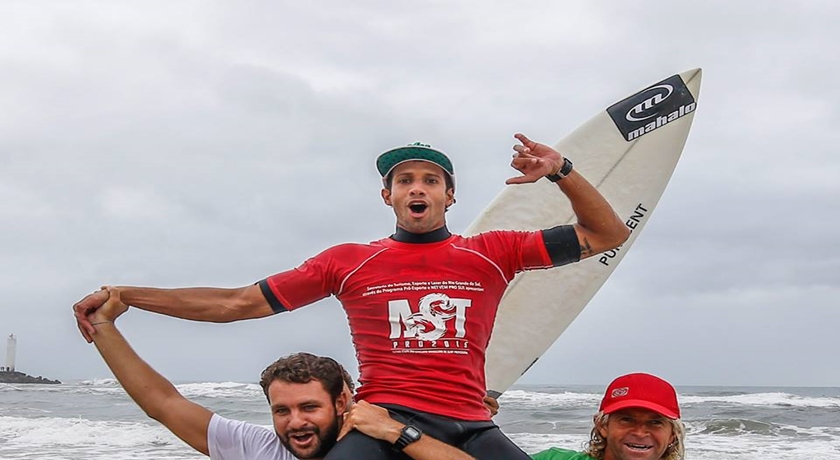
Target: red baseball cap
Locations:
point(641, 390)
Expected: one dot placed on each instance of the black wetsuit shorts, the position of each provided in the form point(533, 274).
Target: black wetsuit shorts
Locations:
point(483, 440)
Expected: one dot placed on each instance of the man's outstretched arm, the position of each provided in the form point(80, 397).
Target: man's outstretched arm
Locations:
point(598, 227)
point(216, 305)
point(375, 422)
point(151, 391)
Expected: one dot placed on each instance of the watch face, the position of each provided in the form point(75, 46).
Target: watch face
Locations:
point(413, 432)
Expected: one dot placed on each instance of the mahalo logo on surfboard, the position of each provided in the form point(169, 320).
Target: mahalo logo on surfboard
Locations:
point(652, 108)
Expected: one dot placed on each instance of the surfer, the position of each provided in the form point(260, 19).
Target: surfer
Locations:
point(426, 365)
point(310, 399)
point(639, 419)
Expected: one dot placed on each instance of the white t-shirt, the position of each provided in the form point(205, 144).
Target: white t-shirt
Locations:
point(236, 440)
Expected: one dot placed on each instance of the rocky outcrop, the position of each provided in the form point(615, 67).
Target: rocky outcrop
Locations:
point(20, 377)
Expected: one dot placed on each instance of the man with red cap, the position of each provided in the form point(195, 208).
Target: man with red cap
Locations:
point(639, 419)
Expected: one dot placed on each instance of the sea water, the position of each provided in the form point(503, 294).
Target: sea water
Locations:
point(94, 420)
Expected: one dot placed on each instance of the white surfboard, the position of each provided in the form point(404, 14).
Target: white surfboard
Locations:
point(629, 152)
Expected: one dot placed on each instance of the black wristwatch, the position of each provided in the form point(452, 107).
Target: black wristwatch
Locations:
point(564, 171)
point(408, 435)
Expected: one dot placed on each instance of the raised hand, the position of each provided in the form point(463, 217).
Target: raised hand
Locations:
point(111, 310)
point(85, 307)
point(371, 420)
point(492, 405)
point(533, 160)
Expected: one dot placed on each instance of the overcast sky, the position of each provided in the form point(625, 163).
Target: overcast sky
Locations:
point(211, 143)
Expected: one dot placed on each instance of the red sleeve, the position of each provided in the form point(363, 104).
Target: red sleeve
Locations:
point(532, 251)
point(308, 283)
point(516, 251)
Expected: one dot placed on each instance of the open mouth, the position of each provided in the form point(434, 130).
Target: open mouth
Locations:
point(418, 208)
point(638, 447)
point(303, 439)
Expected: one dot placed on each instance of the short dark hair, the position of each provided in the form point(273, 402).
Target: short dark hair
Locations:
point(304, 368)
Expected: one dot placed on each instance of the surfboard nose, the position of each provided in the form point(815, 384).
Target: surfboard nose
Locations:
point(696, 73)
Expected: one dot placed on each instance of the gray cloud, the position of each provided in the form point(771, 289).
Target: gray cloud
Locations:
point(201, 143)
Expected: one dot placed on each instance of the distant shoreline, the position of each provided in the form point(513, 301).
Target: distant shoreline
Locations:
point(20, 377)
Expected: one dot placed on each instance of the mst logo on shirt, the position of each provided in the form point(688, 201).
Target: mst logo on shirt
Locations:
point(437, 325)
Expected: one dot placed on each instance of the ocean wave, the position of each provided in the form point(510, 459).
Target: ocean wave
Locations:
point(741, 426)
point(106, 382)
point(573, 399)
point(9, 387)
point(765, 399)
point(103, 390)
point(530, 399)
point(54, 431)
point(778, 442)
point(731, 439)
point(226, 390)
point(734, 426)
point(77, 438)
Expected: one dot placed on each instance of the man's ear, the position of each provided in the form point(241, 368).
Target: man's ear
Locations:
point(450, 197)
point(602, 429)
point(386, 196)
point(341, 402)
point(348, 395)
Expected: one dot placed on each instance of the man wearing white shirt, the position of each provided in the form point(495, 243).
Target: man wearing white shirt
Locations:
point(307, 395)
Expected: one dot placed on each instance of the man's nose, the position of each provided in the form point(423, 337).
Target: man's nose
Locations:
point(297, 420)
point(640, 429)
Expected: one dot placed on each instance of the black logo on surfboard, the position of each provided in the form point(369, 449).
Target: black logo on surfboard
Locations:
point(652, 108)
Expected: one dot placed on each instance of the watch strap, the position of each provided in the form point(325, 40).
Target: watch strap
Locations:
point(563, 172)
point(408, 435)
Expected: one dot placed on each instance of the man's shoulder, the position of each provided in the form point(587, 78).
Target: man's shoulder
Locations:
point(353, 249)
point(500, 233)
point(235, 439)
point(493, 236)
point(556, 453)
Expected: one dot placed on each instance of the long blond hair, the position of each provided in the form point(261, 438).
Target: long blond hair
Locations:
point(597, 444)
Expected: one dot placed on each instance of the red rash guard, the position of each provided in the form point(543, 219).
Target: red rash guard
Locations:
point(420, 314)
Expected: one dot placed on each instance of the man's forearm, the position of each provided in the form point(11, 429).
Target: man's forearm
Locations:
point(594, 214)
point(216, 305)
point(143, 384)
point(374, 421)
point(156, 395)
point(425, 448)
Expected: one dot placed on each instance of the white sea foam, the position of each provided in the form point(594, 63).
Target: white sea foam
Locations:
point(43, 437)
point(76, 431)
point(574, 400)
point(764, 399)
point(226, 390)
point(824, 445)
point(741, 427)
point(9, 387)
point(714, 447)
point(96, 390)
point(100, 382)
point(41, 422)
point(529, 399)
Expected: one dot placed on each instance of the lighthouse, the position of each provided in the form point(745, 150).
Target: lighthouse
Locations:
point(11, 345)
point(8, 374)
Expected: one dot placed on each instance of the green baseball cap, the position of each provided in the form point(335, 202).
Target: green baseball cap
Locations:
point(388, 160)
